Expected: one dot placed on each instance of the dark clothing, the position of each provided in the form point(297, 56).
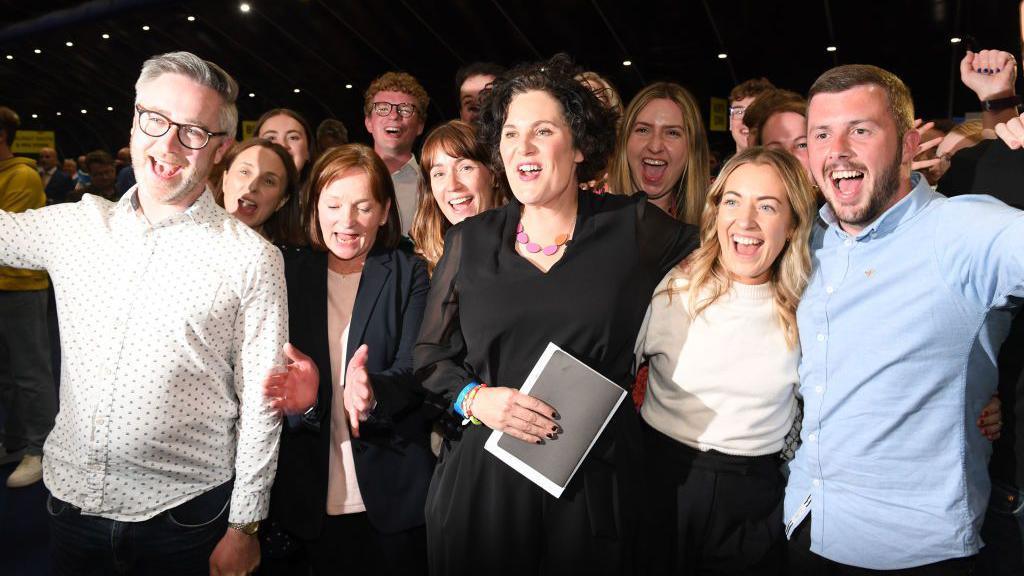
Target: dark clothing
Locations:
point(111, 194)
point(177, 542)
point(1003, 533)
point(59, 186)
point(31, 401)
point(349, 544)
point(989, 167)
point(393, 461)
point(802, 562)
point(709, 512)
point(490, 315)
point(125, 180)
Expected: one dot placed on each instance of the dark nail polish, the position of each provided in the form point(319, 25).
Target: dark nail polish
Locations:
point(540, 441)
point(555, 415)
point(551, 435)
point(998, 70)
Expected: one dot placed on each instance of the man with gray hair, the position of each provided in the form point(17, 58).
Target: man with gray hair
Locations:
point(164, 450)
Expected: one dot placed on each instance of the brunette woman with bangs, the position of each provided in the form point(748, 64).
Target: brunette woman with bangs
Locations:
point(353, 470)
point(662, 151)
point(458, 184)
point(290, 129)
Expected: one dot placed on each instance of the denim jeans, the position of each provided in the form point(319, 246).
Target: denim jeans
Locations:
point(29, 395)
point(176, 542)
point(1003, 533)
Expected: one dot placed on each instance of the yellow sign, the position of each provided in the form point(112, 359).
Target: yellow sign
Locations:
point(719, 115)
point(248, 127)
point(30, 141)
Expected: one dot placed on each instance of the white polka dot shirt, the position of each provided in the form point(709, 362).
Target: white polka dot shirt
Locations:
point(167, 332)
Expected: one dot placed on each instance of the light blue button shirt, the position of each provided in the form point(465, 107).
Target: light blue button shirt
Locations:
point(900, 327)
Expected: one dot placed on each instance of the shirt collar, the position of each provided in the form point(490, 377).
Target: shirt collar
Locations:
point(903, 211)
point(411, 165)
point(201, 211)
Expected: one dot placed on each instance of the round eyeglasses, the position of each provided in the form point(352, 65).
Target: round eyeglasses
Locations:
point(156, 125)
point(384, 109)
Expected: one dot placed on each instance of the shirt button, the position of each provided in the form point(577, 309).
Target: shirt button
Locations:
point(812, 437)
point(821, 337)
point(816, 482)
point(100, 420)
point(830, 289)
point(848, 242)
point(819, 389)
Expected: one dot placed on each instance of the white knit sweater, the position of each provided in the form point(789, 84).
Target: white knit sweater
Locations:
point(724, 381)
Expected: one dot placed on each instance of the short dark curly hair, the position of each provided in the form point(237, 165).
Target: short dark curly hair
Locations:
point(591, 123)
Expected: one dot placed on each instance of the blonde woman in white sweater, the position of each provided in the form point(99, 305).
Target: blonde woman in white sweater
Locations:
point(723, 351)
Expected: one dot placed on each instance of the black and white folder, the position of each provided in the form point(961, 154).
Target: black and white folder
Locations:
point(585, 401)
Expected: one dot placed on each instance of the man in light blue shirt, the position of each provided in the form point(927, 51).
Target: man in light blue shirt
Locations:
point(900, 325)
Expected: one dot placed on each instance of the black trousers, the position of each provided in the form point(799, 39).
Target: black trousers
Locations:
point(709, 512)
point(349, 544)
point(802, 562)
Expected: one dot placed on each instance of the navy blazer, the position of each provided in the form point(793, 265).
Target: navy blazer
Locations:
point(393, 459)
point(59, 186)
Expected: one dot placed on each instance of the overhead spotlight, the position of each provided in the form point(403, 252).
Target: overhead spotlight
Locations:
point(105, 36)
point(84, 111)
point(58, 113)
point(955, 40)
point(627, 62)
point(110, 108)
point(252, 94)
point(830, 49)
point(244, 7)
point(348, 86)
point(35, 115)
point(69, 44)
point(38, 51)
point(722, 55)
point(145, 28)
point(296, 90)
point(191, 18)
point(9, 57)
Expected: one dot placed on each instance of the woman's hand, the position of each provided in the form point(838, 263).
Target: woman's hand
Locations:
point(991, 420)
point(519, 415)
point(293, 388)
point(358, 395)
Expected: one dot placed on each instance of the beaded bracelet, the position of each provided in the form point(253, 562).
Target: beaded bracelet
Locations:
point(457, 407)
point(468, 406)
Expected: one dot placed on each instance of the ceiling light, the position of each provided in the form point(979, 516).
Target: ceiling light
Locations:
point(955, 40)
point(69, 44)
point(58, 113)
point(348, 86)
point(252, 94)
point(296, 90)
point(106, 36)
point(722, 55)
point(830, 49)
point(35, 115)
point(191, 18)
point(145, 28)
point(627, 62)
point(84, 111)
point(110, 108)
point(38, 51)
point(244, 7)
point(9, 57)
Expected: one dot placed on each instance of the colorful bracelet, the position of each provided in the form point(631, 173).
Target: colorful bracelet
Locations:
point(468, 406)
point(457, 407)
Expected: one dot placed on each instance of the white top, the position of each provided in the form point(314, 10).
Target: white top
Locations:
point(724, 381)
point(167, 331)
point(407, 182)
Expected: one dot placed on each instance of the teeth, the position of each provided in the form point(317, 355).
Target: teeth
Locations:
point(246, 203)
point(653, 162)
point(530, 168)
point(459, 201)
point(747, 241)
point(843, 174)
point(392, 130)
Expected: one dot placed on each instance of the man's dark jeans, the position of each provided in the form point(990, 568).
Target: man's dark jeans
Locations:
point(176, 542)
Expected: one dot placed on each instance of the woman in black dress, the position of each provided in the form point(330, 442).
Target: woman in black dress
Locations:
point(553, 265)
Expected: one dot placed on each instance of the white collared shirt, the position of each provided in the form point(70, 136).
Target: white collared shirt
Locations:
point(167, 333)
point(407, 182)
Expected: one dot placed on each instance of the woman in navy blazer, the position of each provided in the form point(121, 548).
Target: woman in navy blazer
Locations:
point(373, 403)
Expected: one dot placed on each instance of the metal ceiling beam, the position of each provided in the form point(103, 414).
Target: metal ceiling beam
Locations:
point(70, 17)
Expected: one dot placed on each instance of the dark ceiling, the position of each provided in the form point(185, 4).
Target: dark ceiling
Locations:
point(320, 46)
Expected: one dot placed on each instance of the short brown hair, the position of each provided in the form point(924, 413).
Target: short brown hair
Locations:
point(98, 157)
point(843, 78)
point(750, 88)
point(397, 82)
point(9, 123)
point(331, 166)
point(770, 103)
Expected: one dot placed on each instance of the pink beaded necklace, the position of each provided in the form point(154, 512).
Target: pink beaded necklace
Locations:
point(532, 247)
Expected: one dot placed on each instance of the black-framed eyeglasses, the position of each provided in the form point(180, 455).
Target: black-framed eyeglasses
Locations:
point(737, 111)
point(156, 125)
point(384, 109)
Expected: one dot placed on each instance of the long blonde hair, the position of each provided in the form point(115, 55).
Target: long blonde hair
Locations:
point(709, 279)
point(688, 196)
point(458, 140)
